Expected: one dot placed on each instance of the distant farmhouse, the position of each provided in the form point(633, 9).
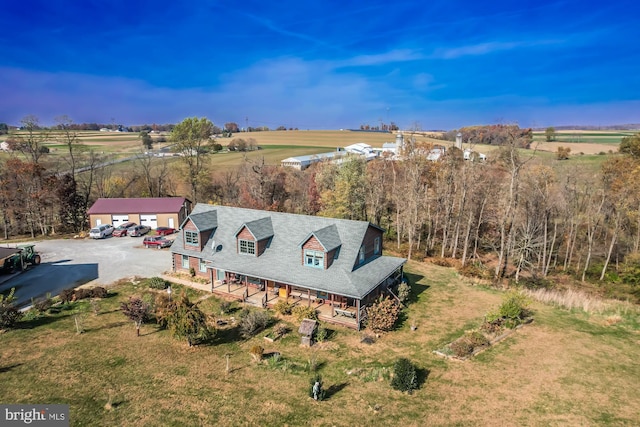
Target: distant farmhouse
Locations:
point(359, 149)
point(390, 151)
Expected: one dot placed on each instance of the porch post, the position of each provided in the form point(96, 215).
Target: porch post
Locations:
point(211, 278)
point(333, 312)
point(308, 297)
point(358, 313)
point(227, 277)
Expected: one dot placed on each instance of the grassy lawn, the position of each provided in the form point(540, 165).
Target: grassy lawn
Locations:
point(565, 368)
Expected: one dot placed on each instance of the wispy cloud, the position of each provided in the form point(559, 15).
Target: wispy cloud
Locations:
point(393, 56)
point(487, 48)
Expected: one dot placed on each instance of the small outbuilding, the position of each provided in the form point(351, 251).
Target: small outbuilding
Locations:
point(307, 328)
point(152, 211)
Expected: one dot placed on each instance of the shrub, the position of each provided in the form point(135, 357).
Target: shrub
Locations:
point(257, 352)
point(283, 307)
point(302, 312)
point(383, 315)
point(405, 377)
point(98, 292)
point(513, 310)
point(9, 314)
point(321, 333)
point(315, 390)
point(66, 295)
point(404, 291)
point(185, 320)
point(82, 293)
point(475, 269)
point(251, 322)
point(442, 262)
point(192, 272)
point(43, 305)
point(157, 283)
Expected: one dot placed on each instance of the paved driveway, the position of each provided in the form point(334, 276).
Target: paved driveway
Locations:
point(67, 263)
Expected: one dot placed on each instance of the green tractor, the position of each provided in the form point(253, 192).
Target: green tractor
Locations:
point(19, 258)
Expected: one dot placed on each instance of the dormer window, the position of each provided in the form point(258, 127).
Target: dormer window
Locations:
point(376, 246)
point(191, 237)
point(247, 247)
point(361, 254)
point(314, 258)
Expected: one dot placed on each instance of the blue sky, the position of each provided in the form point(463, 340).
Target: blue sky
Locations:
point(440, 64)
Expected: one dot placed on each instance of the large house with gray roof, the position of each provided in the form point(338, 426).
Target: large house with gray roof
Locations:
point(262, 257)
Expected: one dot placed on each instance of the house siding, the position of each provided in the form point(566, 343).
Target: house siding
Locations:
point(315, 245)
point(104, 219)
point(262, 246)
point(369, 244)
point(190, 226)
point(193, 263)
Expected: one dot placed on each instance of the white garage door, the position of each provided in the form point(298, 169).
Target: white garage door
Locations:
point(116, 220)
point(150, 220)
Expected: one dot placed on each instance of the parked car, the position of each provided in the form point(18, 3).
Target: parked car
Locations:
point(156, 242)
point(138, 230)
point(165, 231)
point(101, 231)
point(121, 230)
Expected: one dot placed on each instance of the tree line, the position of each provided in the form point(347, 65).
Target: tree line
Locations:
point(514, 216)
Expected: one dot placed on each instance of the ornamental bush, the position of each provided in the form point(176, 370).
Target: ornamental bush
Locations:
point(383, 315)
point(283, 307)
point(405, 377)
point(404, 291)
point(157, 283)
point(303, 312)
point(9, 314)
point(251, 322)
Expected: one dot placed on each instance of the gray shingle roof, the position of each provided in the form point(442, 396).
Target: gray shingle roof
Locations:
point(207, 220)
point(281, 261)
point(328, 237)
point(260, 228)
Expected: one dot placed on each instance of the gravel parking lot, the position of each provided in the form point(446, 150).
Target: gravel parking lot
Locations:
point(67, 263)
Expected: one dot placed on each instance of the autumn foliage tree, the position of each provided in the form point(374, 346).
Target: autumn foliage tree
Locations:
point(383, 314)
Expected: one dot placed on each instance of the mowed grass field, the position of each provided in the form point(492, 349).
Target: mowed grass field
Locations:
point(566, 368)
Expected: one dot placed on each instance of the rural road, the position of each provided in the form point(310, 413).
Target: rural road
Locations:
point(68, 263)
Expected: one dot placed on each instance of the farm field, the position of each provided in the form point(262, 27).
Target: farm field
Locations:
point(566, 368)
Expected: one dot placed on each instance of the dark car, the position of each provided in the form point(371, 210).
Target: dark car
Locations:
point(165, 231)
point(121, 230)
point(156, 242)
point(138, 230)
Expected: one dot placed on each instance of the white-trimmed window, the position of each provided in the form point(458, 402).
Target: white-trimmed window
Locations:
point(376, 246)
point(313, 258)
point(185, 261)
point(247, 247)
point(202, 265)
point(191, 237)
point(361, 254)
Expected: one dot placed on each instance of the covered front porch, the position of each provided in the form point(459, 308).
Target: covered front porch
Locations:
point(332, 308)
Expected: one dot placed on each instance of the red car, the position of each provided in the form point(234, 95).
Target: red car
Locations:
point(165, 231)
point(121, 230)
point(156, 242)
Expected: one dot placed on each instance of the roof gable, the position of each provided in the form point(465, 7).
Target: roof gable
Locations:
point(260, 229)
point(203, 221)
point(328, 237)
